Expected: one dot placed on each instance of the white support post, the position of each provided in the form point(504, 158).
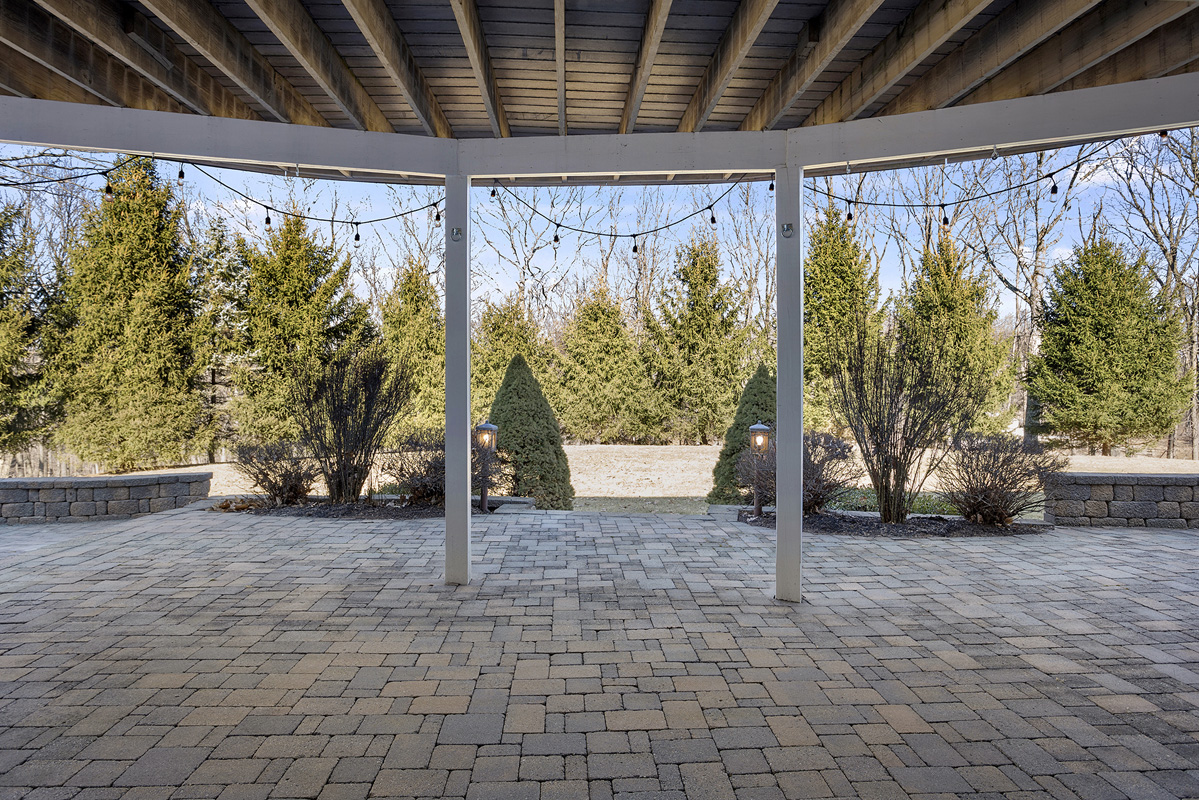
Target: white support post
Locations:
point(457, 380)
point(788, 557)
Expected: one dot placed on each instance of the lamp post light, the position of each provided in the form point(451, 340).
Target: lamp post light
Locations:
point(759, 444)
point(485, 436)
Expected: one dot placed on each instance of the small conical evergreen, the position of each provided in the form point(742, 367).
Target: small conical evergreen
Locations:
point(530, 440)
point(414, 333)
point(757, 404)
point(1107, 372)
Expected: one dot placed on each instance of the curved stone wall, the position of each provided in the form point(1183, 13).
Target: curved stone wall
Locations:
point(88, 499)
point(1123, 501)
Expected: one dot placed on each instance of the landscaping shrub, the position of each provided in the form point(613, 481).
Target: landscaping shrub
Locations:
point(417, 466)
point(756, 403)
point(344, 410)
point(829, 471)
point(281, 469)
point(992, 480)
point(530, 440)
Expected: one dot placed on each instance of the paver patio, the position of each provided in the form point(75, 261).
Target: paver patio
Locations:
point(197, 655)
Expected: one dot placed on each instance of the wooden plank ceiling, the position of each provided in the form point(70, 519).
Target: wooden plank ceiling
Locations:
point(481, 68)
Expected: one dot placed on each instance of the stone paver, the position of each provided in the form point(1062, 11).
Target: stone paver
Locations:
point(203, 655)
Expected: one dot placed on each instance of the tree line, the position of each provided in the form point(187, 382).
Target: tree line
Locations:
point(149, 340)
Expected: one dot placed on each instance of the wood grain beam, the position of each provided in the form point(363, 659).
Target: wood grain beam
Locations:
point(1017, 30)
point(560, 61)
point(466, 12)
point(907, 45)
point(42, 38)
point(1105, 31)
point(379, 27)
point(21, 76)
point(303, 38)
point(207, 30)
point(1166, 50)
point(748, 20)
point(130, 37)
point(651, 39)
point(838, 23)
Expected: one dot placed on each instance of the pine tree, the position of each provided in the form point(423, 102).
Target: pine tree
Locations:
point(414, 331)
point(953, 300)
point(503, 331)
point(1107, 373)
point(757, 404)
point(693, 347)
point(221, 330)
point(606, 395)
point(300, 311)
point(124, 361)
point(530, 440)
point(23, 410)
point(840, 284)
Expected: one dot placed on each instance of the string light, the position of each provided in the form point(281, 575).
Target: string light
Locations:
point(109, 194)
point(493, 191)
point(1164, 134)
point(556, 239)
point(770, 188)
point(994, 152)
point(268, 219)
point(357, 237)
point(944, 216)
point(436, 216)
point(1053, 185)
point(712, 220)
point(849, 212)
point(634, 245)
point(180, 179)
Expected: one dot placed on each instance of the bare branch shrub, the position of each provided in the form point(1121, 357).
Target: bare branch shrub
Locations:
point(992, 480)
point(905, 404)
point(829, 471)
point(345, 410)
point(281, 469)
point(417, 465)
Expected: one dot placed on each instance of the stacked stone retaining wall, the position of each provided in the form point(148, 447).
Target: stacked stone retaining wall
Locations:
point(1123, 501)
point(88, 499)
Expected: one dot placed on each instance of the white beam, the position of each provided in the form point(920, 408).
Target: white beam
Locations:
point(788, 517)
point(215, 139)
point(655, 26)
point(748, 20)
point(457, 380)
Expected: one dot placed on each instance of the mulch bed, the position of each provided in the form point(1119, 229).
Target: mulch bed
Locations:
point(915, 527)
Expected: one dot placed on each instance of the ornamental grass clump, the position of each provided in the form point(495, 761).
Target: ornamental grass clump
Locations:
point(529, 438)
point(992, 480)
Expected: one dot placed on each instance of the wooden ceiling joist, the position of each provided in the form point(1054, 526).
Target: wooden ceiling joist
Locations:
point(21, 76)
point(379, 27)
point(45, 40)
point(907, 46)
point(560, 61)
point(466, 12)
point(839, 22)
point(199, 24)
point(298, 32)
point(1106, 30)
point(651, 39)
point(1017, 30)
point(749, 19)
point(131, 38)
point(1166, 50)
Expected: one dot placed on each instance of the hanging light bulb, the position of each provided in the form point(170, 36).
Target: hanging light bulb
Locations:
point(770, 187)
point(493, 191)
point(556, 239)
point(994, 152)
point(634, 245)
point(109, 194)
point(944, 216)
point(849, 212)
point(357, 237)
point(268, 219)
point(1052, 185)
point(1164, 135)
point(712, 219)
point(180, 175)
point(436, 215)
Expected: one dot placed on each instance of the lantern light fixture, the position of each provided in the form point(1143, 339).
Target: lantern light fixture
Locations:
point(759, 437)
point(485, 436)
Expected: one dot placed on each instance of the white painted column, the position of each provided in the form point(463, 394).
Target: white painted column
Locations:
point(457, 379)
point(788, 558)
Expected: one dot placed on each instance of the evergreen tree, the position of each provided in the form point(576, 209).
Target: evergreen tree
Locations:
point(606, 395)
point(23, 410)
point(757, 403)
point(530, 440)
point(503, 331)
point(693, 352)
point(222, 338)
point(414, 331)
point(840, 284)
point(1107, 373)
point(300, 311)
point(953, 302)
point(124, 363)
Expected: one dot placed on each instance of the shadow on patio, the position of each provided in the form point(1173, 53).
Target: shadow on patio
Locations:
point(204, 655)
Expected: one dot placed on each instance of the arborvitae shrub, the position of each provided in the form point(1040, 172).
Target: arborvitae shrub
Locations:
point(530, 439)
point(757, 403)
